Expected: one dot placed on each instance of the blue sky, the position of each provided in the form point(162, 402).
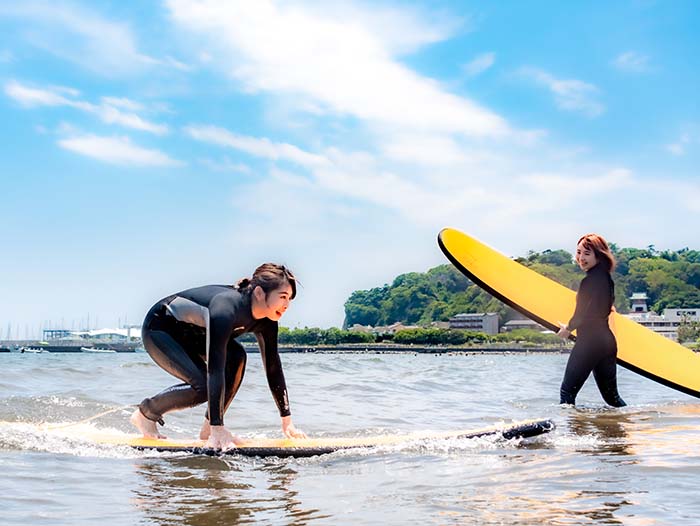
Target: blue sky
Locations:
point(150, 147)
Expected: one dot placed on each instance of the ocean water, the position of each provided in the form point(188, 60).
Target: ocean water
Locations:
point(638, 465)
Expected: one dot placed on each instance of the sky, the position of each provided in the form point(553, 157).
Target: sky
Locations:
point(150, 147)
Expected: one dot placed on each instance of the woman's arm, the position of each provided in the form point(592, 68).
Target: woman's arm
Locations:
point(221, 320)
point(584, 298)
point(267, 340)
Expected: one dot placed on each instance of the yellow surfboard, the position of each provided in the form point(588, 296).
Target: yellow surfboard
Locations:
point(307, 447)
point(547, 302)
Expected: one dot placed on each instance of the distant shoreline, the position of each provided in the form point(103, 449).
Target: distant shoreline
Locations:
point(350, 348)
point(378, 348)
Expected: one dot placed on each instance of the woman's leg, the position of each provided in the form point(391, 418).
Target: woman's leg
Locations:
point(171, 356)
point(578, 368)
point(236, 359)
point(605, 374)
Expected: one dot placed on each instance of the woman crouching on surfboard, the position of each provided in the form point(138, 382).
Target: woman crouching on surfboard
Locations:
point(596, 348)
point(192, 334)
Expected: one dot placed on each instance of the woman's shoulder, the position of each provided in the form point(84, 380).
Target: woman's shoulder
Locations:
point(227, 294)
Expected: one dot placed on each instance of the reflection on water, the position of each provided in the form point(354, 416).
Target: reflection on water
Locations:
point(198, 491)
point(608, 426)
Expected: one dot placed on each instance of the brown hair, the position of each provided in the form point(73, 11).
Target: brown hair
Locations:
point(268, 276)
point(600, 248)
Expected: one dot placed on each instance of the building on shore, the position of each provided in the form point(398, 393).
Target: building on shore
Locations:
point(382, 329)
point(126, 339)
point(523, 323)
point(666, 323)
point(486, 322)
point(638, 301)
point(125, 335)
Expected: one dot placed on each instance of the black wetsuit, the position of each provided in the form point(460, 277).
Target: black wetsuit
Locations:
point(596, 348)
point(192, 334)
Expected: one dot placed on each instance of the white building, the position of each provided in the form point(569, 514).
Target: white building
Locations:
point(126, 334)
point(486, 322)
point(639, 302)
point(667, 323)
point(524, 323)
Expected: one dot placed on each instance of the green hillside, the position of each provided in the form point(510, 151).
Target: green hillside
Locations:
point(671, 279)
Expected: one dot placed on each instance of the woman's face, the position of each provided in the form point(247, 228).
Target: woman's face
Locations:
point(585, 257)
point(275, 303)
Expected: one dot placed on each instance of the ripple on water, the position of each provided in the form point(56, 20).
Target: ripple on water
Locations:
point(635, 465)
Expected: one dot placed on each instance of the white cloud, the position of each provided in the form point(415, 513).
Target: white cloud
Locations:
point(117, 150)
point(406, 171)
point(566, 188)
point(107, 111)
point(569, 94)
point(428, 149)
point(121, 102)
point(677, 148)
point(225, 165)
point(171, 62)
point(674, 199)
point(690, 197)
point(402, 30)
point(34, 97)
point(431, 180)
point(632, 62)
point(78, 35)
point(480, 64)
point(680, 147)
point(264, 147)
point(81, 35)
point(112, 115)
point(344, 67)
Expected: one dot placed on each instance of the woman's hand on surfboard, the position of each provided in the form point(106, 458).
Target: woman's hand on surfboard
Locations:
point(222, 438)
point(289, 430)
point(563, 333)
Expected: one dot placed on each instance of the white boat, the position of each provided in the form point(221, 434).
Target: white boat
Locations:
point(93, 349)
point(30, 349)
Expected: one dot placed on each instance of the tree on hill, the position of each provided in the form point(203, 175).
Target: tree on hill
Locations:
point(671, 279)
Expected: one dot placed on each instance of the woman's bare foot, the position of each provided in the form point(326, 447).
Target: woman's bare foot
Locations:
point(145, 426)
point(205, 432)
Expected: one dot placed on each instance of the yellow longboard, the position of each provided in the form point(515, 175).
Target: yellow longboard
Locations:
point(547, 302)
point(307, 447)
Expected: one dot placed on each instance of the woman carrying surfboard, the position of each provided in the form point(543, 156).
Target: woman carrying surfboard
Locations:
point(596, 348)
point(191, 335)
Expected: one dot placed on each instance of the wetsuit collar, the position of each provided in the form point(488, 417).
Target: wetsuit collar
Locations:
point(595, 268)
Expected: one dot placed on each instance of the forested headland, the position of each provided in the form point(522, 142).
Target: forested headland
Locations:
point(671, 279)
